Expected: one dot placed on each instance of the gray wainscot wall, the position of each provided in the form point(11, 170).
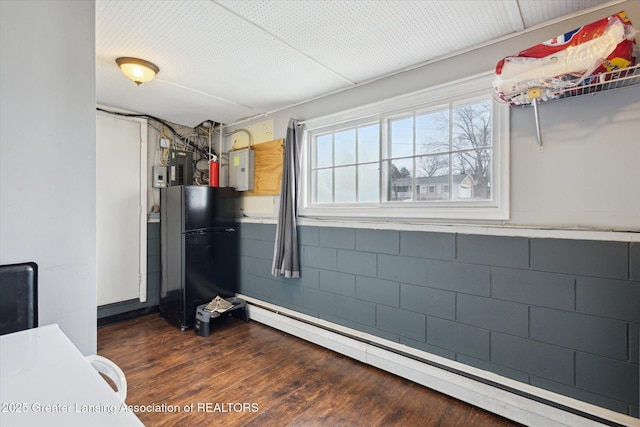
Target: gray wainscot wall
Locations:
point(558, 314)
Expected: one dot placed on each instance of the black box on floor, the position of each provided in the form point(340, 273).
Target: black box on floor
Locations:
point(203, 318)
point(203, 321)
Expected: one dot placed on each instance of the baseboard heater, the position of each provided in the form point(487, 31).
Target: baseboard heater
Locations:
point(503, 396)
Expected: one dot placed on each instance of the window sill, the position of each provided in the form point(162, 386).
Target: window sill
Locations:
point(396, 211)
point(498, 228)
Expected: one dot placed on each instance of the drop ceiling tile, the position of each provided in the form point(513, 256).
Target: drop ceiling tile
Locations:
point(164, 100)
point(236, 58)
point(205, 48)
point(535, 12)
point(362, 40)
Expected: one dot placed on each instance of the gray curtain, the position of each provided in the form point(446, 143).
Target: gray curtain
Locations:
point(285, 253)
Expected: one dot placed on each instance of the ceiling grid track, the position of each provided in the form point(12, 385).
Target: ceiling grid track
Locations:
point(284, 42)
point(230, 60)
point(513, 9)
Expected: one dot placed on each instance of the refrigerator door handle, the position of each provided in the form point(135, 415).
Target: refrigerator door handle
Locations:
point(210, 230)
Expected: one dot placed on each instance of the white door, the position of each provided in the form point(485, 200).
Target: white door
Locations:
point(121, 234)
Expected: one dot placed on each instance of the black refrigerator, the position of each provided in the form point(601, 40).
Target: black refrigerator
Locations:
point(198, 249)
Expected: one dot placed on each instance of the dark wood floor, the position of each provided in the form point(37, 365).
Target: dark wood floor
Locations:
point(248, 374)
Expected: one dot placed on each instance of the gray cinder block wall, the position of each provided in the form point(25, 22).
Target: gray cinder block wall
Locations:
point(562, 315)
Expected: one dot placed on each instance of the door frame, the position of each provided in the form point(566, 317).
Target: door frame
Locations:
point(142, 211)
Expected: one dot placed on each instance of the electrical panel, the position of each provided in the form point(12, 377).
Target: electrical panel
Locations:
point(180, 168)
point(241, 169)
point(159, 176)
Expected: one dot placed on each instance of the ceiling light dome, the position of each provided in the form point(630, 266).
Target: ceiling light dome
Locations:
point(138, 70)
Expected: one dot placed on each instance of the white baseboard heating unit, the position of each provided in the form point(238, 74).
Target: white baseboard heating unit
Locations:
point(503, 396)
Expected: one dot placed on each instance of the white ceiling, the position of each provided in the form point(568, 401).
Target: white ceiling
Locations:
point(225, 60)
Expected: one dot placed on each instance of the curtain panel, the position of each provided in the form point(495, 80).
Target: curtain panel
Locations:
point(286, 260)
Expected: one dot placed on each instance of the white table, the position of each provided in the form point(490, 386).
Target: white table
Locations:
point(46, 381)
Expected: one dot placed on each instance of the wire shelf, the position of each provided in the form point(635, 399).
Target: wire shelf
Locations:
point(616, 79)
point(602, 82)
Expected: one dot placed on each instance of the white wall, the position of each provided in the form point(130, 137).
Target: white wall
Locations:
point(47, 156)
point(588, 173)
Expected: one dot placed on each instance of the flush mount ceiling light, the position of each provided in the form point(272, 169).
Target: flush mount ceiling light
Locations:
point(138, 70)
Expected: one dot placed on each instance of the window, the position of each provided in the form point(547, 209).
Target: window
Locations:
point(346, 166)
point(441, 153)
point(450, 145)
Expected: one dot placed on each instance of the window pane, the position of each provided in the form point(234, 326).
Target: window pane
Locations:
point(401, 137)
point(324, 151)
point(409, 160)
point(400, 180)
point(345, 184)
point(324, 186)
point(368, 183)
point(369, 143)
point(432, 132)
point(471, 175)
point(472, 125)
point(345, 147)
point(432, 177)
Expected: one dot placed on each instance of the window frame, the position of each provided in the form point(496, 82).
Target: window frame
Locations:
point(470, 89)
point(355, 125)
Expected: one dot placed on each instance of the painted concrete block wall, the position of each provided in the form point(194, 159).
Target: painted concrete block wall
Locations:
point(558, 314)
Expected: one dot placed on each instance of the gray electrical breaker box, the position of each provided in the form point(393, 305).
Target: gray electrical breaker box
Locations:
point(241, 169)
point(159, 176)
point(180, 168)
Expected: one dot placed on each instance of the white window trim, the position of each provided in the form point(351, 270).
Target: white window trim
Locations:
point(495, 210)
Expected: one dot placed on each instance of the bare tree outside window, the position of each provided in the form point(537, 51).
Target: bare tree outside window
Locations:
point(400, 182)
point(439, 153)
point(471, 152)
point(443, 154)
point(432, 165)
point(455, 152)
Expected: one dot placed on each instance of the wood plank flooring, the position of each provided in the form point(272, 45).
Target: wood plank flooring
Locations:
point(248, 374)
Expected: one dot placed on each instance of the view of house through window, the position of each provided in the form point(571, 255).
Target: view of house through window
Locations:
point(435, 151)
point(439, 155)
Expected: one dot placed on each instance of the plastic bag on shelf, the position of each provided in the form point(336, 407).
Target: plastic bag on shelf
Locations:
point(579, 57)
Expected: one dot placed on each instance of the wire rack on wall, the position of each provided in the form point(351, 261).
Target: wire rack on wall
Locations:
point(602, 82)
point(593, 84)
